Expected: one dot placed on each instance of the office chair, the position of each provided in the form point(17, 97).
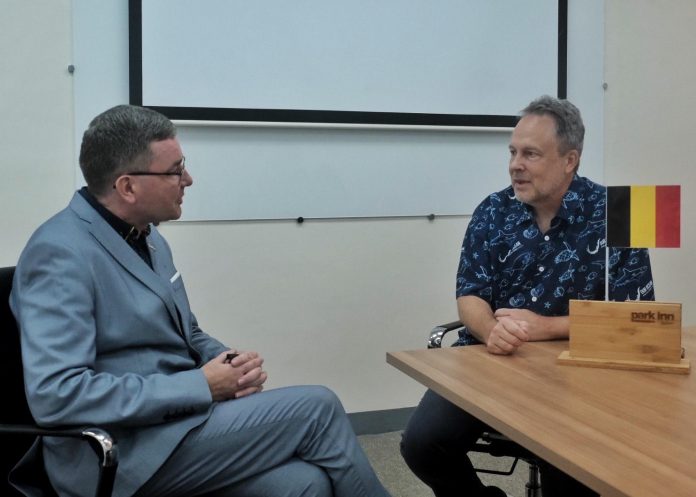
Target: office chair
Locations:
point(493, 443)
point(17, 427)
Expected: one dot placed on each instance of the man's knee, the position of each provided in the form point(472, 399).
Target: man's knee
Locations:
point(425, 427)
point(417, 441)
point(323, 398)
point(415, 445)
point(437, 428)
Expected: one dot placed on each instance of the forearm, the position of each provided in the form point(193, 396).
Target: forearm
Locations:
point(476, 314)
point(550, 328)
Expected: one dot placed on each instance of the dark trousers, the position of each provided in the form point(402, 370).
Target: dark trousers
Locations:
point(435, 444)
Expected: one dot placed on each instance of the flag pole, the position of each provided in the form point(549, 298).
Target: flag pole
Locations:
point(606, 273)
point(606, 245)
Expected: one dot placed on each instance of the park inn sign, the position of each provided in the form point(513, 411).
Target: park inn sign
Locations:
point(653, 317)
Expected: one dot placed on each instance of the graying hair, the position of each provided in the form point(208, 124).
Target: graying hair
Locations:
point(570, 130)
point(118, 140)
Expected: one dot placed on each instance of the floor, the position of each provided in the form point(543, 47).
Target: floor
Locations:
point(383, 452)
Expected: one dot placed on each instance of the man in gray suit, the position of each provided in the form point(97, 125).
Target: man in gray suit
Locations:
point(108, 339)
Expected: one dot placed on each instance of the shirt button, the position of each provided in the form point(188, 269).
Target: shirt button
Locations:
point(541, 269)
point(534, 299)
point(547, 238)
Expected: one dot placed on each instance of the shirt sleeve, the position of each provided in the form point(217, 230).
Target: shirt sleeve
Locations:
point(475, 272)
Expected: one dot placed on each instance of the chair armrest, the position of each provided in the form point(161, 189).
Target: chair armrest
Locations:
point(437, 333)
point(100, 440)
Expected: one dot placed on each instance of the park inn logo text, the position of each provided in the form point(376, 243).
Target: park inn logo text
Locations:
point(652, 317)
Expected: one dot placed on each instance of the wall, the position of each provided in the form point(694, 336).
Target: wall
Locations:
point(36, 118)
point(649, 107)
point(323, 301)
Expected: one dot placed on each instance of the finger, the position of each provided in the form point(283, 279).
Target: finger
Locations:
point(246, 357)
point(499, 349)
point(514, 331)
point(505, 312)
point(247, 361)
point(262, 380)
point(504, 346)
point(250, 378)
point(496, 344)
point(230, 355)
point(504, 342)
point(246, 367)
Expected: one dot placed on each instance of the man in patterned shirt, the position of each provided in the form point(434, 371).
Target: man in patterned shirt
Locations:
point(527, 251)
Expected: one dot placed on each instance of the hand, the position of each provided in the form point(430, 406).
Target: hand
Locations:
point(506, 336)
point(518, 315)
point(238, 378)
point(253, 379)
point(538, 327)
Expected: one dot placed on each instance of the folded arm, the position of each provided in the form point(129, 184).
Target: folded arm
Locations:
point(505, 330)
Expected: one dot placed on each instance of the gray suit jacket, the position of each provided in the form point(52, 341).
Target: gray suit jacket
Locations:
point(107, 341)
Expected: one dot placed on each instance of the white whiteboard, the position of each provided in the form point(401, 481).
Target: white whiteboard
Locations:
point(281, 173)
point(423, 57)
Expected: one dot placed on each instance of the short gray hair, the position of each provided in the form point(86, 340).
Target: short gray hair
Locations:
point(118, 140)
point(570, 130)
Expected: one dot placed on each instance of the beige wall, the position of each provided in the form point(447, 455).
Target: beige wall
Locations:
point(36, 117)
point(650, 104)
point(325, 300)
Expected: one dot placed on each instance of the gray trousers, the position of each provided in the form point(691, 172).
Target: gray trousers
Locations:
point(289, 442)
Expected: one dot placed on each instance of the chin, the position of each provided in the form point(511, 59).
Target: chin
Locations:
point(519, 195)
point(525, 198)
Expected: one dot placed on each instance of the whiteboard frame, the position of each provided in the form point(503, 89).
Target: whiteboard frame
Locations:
point(327, 117)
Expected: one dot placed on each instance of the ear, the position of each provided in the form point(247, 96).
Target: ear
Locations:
point(125, 189)
point(571, 161)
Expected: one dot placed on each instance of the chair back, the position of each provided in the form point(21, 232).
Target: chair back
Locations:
point(15, 409)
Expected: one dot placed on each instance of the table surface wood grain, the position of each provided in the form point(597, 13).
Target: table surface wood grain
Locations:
point(623, 433)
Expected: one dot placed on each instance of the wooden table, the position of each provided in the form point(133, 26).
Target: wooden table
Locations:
point(622, 433)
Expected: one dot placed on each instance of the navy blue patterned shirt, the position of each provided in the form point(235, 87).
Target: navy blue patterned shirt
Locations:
point(509, 263)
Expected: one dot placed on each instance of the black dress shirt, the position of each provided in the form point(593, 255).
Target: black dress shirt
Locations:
point(136, 239)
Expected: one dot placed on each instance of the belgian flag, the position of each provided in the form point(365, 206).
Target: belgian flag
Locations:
point(643, 216)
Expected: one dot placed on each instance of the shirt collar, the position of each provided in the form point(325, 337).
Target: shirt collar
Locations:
point(127, 231)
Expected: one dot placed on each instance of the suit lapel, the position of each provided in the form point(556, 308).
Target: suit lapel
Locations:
point(126, 256)
point(162, 265)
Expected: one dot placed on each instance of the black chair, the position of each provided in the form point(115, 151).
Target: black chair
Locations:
point(494, 443)
point(17, 427)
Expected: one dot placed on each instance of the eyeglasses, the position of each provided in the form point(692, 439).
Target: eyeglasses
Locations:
point(179, 171)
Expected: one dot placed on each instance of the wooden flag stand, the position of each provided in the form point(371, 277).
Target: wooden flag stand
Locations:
point(643, 336)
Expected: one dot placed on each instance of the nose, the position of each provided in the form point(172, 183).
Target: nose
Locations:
point(515, 162)
point(186, 178)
